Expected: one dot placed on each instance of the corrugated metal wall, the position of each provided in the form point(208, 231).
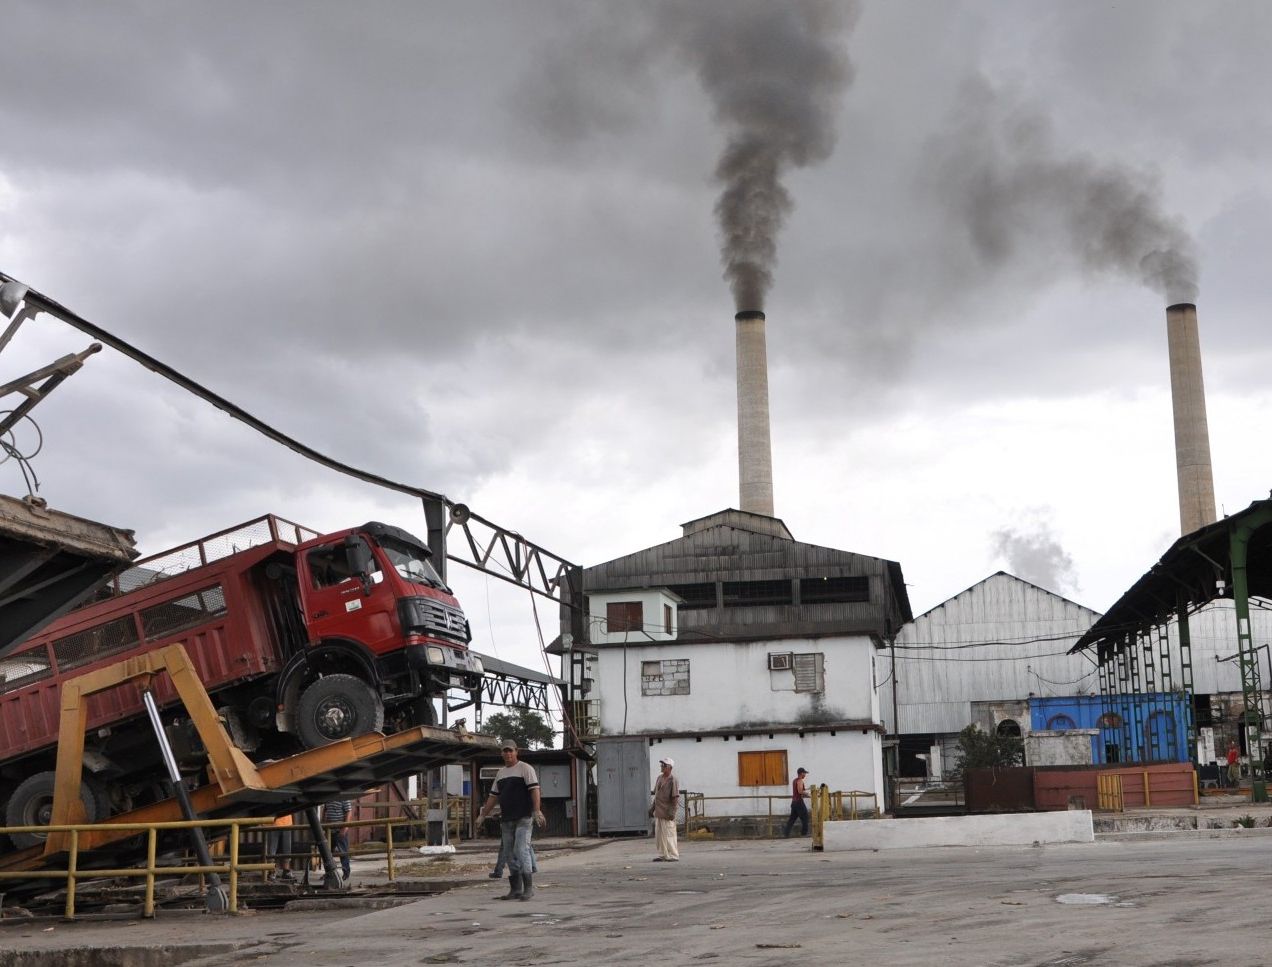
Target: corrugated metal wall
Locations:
point(1018, 635)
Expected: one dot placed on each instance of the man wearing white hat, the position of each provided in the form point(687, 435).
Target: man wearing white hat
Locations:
point(663, 809)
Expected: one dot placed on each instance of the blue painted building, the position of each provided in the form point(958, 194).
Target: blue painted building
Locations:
point(1151, 727)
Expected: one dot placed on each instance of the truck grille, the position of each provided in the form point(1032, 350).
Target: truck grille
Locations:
point(428, 616)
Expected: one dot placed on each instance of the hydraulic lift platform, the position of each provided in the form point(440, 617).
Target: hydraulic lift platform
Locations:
point(237, 787)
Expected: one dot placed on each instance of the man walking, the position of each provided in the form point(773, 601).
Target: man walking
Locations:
point(336, 814)
point(516, 790)
point(1234, 764)
point(799, 809)
point(663, 809)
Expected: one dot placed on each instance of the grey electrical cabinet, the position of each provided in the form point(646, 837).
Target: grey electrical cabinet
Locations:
point(622, 786)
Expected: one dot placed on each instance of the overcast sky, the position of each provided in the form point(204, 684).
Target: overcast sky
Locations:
point(474, 247)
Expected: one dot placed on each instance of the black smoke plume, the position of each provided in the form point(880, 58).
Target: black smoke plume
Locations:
point(1013, 187)
point(774, 70)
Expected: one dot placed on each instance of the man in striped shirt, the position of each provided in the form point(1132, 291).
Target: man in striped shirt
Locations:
point(335, 814)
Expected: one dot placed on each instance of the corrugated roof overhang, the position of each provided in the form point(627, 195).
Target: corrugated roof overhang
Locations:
point(1195, 570)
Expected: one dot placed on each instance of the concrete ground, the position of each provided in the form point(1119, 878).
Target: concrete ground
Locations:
point(1168, 901)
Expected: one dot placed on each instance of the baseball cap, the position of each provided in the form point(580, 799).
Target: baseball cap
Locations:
point(667, 762)
point(508, 744)
point(802, 771)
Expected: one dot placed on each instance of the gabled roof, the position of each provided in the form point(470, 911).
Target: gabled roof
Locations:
point(1011, 577)
point(736, 546)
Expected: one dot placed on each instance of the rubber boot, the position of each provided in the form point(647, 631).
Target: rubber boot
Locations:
point(514, 887)
point(527, 886)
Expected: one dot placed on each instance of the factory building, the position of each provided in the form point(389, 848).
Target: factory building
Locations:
point(743, 655)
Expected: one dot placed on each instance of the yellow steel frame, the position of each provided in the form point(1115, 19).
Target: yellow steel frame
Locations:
point(229, 767)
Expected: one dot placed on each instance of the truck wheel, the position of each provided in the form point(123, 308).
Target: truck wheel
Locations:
point(32, 805)
point(423, 712)
point(337, 707)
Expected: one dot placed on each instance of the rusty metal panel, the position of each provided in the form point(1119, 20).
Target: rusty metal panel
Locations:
point(999, 790)
point(1169, 784)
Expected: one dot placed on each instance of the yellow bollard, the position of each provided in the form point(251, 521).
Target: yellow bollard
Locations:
point(71, 865)
point(148, 908)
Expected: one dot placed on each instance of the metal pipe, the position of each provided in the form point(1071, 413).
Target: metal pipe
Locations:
point(217, 901)
point(331, 876)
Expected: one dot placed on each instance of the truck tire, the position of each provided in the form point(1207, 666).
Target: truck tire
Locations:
point(337, 707)
point(32, 805)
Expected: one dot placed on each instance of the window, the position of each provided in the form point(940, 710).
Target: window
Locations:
point(1061, 723)
point(839, 590)
point(329, 565)
point(1009, 727)
point(762, 768)
point(621, 616)
point(694, 596)
point(810, 675)
point(745, 594)
point(666, 619)
point(1109, 720)
point(668, 677)
point(88, 646)
point(162, 620)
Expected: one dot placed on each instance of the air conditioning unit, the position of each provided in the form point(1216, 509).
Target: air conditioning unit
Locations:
point(780, 663)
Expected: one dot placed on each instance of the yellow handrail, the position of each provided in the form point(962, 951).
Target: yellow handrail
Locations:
point(696, 817)
point(72, 874)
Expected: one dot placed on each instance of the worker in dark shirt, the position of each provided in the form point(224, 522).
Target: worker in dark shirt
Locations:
point(516, 790)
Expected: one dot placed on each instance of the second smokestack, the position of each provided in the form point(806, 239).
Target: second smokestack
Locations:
point(755, 453)
point(1192, 434)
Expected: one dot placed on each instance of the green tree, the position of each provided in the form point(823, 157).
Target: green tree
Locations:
point(528, 729)
point(978, 749)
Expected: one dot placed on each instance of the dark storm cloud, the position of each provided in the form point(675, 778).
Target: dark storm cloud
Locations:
point(1019, 193)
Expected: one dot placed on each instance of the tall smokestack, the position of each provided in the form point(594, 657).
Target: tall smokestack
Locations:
point(1192, 437)
point(755, 452)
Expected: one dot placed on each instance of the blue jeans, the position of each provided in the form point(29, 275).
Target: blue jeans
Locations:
point(502, 860)
point(340, 848)
point(514, 843)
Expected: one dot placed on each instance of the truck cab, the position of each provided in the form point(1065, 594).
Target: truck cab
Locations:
point(379, 620)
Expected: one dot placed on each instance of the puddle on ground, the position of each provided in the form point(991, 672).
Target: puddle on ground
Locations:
point(1086, 899)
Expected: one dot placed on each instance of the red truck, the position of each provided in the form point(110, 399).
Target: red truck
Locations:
point(300, 638)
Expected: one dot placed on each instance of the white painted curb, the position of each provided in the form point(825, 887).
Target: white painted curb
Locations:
point(1012, 829)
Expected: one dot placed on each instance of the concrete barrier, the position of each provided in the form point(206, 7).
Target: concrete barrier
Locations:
point(1014, 829)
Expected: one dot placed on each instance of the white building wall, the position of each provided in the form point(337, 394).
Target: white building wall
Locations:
point(730, 685)
point(847, 760)
point(654, 625)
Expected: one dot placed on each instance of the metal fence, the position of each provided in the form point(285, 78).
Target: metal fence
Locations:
point(233, 867)
point(770, 811)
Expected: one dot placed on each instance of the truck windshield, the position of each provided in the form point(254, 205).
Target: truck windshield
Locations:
point(412, 563)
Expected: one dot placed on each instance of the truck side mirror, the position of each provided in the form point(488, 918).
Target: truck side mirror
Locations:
point(358, 557)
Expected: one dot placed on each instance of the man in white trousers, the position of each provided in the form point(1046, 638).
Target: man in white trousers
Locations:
point(663, 809)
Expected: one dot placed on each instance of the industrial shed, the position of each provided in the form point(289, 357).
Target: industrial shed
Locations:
point(1216, 580)
point(978, 658)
